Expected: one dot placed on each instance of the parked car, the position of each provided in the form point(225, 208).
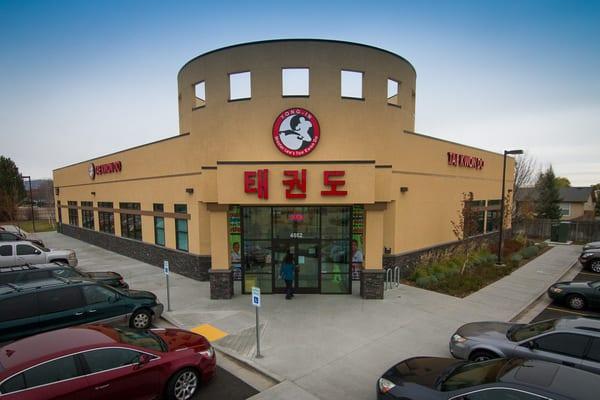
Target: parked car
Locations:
point(429, 378)
point(40, 306)
point(27, 273)
point(571, 341)
point(577, 295)
point(591, 245)
point(104, 362)
point(590, 259)
point(21, 252)
point(8, 236)
point(14, 229)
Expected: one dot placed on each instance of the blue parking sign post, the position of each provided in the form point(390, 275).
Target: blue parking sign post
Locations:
point(256, 304)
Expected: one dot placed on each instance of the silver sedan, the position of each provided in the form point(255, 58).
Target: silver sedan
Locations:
point(570, 341)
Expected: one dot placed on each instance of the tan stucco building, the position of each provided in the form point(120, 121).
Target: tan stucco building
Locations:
point(300, 146)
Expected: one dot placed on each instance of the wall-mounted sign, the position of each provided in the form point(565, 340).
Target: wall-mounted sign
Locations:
point(296, 132)
point(258, 182)
point(108, 168)
point(462, 160)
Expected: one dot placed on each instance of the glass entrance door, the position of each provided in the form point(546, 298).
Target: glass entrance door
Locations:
point(306, 259)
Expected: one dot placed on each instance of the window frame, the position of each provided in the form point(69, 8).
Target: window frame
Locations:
point(546, 335)
point(388, 97)
point(87, 215)
point(362, 85)
point(283, 69)
point(10, 246)
point(131, 219)
point(43, 305)
point(229, 75)
point(87, 370)
point(105, 217)
point(196, 98)
point(73, 213)
point(159, 207)
point(177, 231)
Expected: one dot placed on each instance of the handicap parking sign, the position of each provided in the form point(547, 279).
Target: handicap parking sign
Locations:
point(256, 297)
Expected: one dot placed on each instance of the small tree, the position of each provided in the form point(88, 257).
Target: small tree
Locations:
point(526, 171)
point(548, 196)
point(596, 189)
point(466, 225)
point(12, 189)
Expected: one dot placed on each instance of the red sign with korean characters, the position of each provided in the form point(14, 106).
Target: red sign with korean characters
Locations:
point(461, 160)
point(294, 182)
point(296, 132)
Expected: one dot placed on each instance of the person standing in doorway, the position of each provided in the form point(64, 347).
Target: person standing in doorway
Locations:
point(287, 274)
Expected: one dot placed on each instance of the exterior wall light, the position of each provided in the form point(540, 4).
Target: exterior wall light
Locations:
point(93, 193)
point(403, 189)
point(189, 190)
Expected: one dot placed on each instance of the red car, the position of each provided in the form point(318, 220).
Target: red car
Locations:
point(105, 362)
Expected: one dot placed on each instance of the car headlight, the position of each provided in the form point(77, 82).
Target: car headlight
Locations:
point(210, 352)
point(556, 290)
point(586, 255)
point(456, 338)
point(72, 256)
point(385, 385)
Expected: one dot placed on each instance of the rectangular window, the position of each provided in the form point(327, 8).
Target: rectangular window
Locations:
point(159, 225)
point(393, 90)
point(87, 214)
point(352, 84)
point(131, 224)
point(294, 81)
point(493, 215)
point(106, 217)
point(240, 86)
point(73, 217)
point(565, 209)
point(181, 228)
point(199, 94)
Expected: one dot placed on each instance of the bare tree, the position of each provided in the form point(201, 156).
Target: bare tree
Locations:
point(527, 171)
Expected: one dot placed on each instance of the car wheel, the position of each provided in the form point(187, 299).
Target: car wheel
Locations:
point(482, 355)
point(183, 385)
point(595, 266)
point(141, 319)
point(576, 302)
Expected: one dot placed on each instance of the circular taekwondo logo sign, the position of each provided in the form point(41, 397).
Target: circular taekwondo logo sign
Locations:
point(92, 170)
point(296, 132)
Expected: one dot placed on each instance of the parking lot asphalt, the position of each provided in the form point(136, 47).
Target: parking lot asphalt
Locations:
point(555, 310)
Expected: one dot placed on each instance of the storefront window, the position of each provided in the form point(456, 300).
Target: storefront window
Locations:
point(235, 240)
point(87, 214)
point(73, 217)
point(257, 257)
point(106, 219)
point(358, 230)
point(159, 225)
point(296, 222)
point(181, 228)
point(131, 224)
point(335, 222)
point(257, 223)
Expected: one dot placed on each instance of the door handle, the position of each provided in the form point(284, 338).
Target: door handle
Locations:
point(79, 313)
point(568, 364)
point(102, 387)
point(92, 310)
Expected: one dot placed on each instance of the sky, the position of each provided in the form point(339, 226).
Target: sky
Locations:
point(79, 79)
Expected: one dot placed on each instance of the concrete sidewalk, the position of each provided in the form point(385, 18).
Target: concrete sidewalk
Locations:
point(331, 346)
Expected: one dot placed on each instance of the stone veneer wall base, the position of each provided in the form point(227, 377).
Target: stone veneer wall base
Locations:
point(372, 284)
point(191, 265)
point(221, 284)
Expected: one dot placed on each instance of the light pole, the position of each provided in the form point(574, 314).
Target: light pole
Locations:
point(30, 200)
point(506, 152)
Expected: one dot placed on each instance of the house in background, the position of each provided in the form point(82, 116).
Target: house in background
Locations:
point(577, 203)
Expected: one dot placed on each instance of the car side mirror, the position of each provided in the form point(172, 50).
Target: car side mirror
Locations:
point(38, 252)
point(115, 298)
point(531, 345)
point(143, 359)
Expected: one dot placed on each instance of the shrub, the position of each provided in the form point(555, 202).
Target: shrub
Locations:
point(423, 281)
point(511, 246)
point(419, 273)
point(530, 252)
point(515, 259)
point(440, 276)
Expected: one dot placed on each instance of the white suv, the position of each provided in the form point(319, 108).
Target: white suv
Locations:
point(21, 252)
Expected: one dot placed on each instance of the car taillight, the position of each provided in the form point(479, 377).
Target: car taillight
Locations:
point(385, 385)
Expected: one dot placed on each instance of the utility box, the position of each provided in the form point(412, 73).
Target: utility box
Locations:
point(563, 232)
point(554, 228)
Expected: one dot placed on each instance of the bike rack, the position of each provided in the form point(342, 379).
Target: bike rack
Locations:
point(392, 278)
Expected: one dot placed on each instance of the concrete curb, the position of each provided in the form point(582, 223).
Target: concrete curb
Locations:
point(528, 306)
point(242, 360)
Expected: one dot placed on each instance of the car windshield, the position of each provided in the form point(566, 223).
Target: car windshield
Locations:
point(473, 374)
point(141, 338)
point(524, 332)
point(44, 249)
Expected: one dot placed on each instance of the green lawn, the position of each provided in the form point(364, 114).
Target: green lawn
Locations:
point(27, 226)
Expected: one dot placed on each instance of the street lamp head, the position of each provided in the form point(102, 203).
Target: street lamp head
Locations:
point(513, 151)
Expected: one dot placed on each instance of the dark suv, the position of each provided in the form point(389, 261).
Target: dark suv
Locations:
point(590, 259)
point(55, 303)
point(27, 273)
